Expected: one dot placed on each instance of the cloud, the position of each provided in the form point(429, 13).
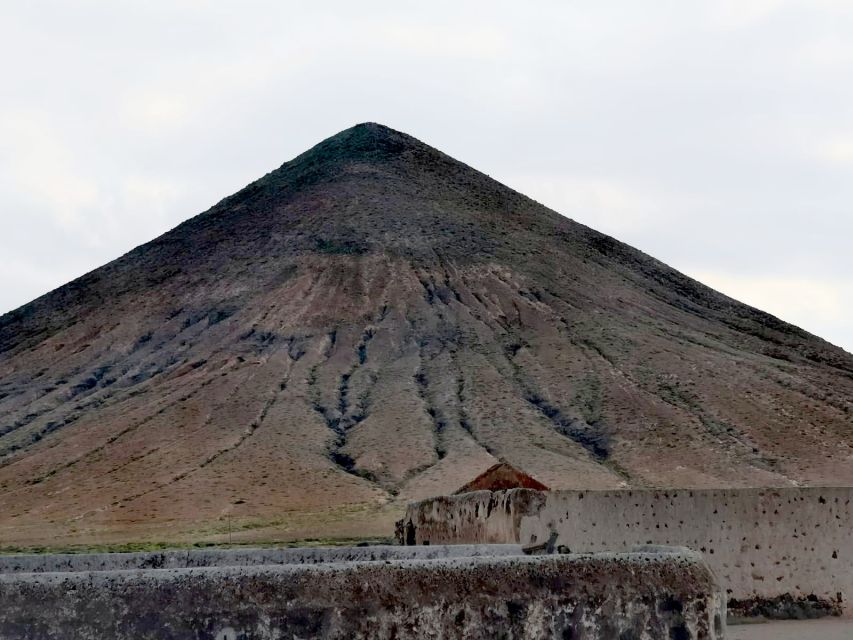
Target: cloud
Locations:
point(155, 111)
point(42, 168)
point(837, 150)
point(821, 306)
point(606, 204)
point(450, 40)
point(23, 279)
point(831, 51)
point(738, 14)
point(745, 14)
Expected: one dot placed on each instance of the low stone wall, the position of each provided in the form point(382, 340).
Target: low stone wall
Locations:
point(776, 552)
point(583, 597)
point(183, 559)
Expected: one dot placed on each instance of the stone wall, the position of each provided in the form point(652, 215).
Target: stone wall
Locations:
point(190, 558)
point(632, 596)
point(775, 551)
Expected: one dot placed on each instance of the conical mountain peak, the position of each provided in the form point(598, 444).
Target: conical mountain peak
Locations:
point(365, 142)
point(383, 191)
point(375, 322)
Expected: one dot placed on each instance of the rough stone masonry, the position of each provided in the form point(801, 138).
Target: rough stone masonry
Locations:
point(385, 593)
point(777, 552)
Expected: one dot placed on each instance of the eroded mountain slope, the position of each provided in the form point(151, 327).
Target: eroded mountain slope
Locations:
point(375, 322)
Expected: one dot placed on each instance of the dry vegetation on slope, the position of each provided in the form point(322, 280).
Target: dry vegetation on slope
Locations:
point(375, 322)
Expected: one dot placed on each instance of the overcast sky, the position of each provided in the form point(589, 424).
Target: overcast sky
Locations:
point(716, 136)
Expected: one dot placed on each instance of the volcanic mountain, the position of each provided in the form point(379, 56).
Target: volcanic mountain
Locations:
point(375, 322)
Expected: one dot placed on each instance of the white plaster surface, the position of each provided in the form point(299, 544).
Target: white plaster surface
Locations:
point(831, 629)
point(759, 542)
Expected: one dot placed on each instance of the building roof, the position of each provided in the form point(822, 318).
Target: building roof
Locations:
point(502, 476)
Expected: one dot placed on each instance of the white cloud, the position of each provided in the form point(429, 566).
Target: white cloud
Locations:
point(786, 297)
point(192, 93)
point(837, 150)
point(42, 168)
point(743, 14)
point(737, 14)
point(606, 204)
point(24, 280)
point(155, 111)
point(451, 40)
point(821, 306)
point(832, 51)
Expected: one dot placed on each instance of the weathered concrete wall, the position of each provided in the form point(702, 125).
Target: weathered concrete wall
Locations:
point(180, 559)
point(639, 596)
point(790, 545)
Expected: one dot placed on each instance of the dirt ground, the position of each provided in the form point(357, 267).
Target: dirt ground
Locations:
point(829, 629)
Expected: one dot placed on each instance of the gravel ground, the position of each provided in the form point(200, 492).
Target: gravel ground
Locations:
point(832, 629)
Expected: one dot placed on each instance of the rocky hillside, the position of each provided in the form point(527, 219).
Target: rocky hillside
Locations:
point(374, 322)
